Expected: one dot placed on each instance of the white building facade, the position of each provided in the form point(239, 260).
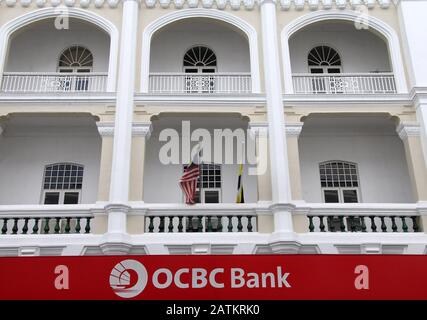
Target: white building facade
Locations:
point(92, 90)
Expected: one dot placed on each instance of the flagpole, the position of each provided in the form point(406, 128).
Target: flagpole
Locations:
point(240, 174)
point(200, 174)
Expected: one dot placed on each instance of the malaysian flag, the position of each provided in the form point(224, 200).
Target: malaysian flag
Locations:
point(188, 182)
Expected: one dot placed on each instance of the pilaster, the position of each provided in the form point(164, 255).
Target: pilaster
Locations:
point(410, 135)
point(106, 131)
point(293, 130)
point(140, 134)
point(260, 133)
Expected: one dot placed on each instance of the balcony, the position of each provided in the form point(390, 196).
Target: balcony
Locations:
point(217, 83)
point(59, 66)
point(356, 83)
point(53, 82)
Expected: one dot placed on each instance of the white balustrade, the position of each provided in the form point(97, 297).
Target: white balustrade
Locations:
point(361, 83)
point(54, 82)
point(184, 83)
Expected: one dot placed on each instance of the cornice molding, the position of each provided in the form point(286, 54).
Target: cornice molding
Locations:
point(293, 129)
point(105, 129)
point(284, 5)
point(258, 129)
point(142, 129)
point(406, 130)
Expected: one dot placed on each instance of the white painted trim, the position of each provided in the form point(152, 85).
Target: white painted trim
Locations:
point(205, 13)
point(384, 29)
point(9, 28)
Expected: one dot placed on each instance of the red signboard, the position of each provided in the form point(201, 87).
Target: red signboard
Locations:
point(244, 277)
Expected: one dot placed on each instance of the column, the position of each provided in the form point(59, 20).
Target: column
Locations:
point(293, 130)
point(410, 135)
point(413, 27)
point(421, 111)
point(281, 192)
point(119, 188)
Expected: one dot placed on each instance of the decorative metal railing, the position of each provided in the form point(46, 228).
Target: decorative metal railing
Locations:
point(209, 83)
point(54, 82)
point(361, 83)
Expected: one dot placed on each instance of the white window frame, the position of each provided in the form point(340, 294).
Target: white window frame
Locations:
point(62, 193)
point(341, 193)
point(202, 196)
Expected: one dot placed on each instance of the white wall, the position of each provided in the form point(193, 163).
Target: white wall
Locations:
point(360, 50)
point(26, 149)
point(38, 47)
point(161, 182)
point(378, 152)
point(170, 44)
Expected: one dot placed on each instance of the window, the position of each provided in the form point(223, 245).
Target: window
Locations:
point(199, 60)
point(340, 184)
point(339, 181)
point(325, 60)
point(75, 59)
point(62, 183)
point(210, 185)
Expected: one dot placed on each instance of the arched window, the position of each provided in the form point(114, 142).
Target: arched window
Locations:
point(199, 60)
point(339, 181)
point(62, 183)
point(75, 59)
point(200, 57)
point(324, 59)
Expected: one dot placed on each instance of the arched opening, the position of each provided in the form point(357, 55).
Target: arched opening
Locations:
point(370, 58)
point(28, 70)
point(168, 39)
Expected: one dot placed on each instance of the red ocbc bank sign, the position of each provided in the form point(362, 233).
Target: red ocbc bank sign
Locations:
point(232, 277)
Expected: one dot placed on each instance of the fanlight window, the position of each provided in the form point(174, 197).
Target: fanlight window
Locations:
point(76, 57)
point(62, 183)
point(339, 181)
point(199, 56)
point(324, 56)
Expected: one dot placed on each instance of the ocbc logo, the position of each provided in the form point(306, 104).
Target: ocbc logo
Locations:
point(199, 278)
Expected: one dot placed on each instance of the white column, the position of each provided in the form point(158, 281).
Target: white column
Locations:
point(119, 190)
point(421, 109)
point(413, 26)
point(281, 192)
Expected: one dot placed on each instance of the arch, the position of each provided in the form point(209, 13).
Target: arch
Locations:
point(381, 27)
point(156, 25)
point(9, 28)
